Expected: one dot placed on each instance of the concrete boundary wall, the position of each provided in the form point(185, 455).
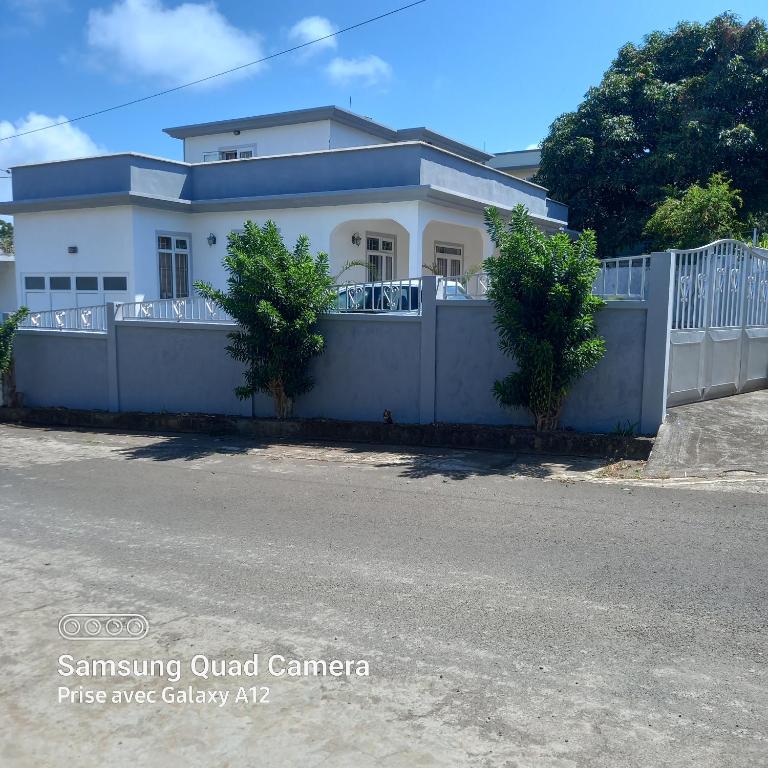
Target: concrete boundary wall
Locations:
point(437, 367)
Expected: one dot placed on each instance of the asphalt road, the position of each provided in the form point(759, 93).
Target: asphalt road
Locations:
point(512, 613)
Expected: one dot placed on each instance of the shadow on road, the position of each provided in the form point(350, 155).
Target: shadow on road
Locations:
point(409, 462)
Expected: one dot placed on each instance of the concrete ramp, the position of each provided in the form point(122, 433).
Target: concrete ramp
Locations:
point(715, 438)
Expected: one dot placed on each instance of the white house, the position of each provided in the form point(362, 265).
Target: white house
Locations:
point(7, 282)
point(129, 227)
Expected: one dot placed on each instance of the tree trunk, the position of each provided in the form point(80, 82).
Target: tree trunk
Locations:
point(283, 403)
point(549, 421)
point(8, 395)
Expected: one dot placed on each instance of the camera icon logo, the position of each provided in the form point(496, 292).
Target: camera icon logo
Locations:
point(103, 626)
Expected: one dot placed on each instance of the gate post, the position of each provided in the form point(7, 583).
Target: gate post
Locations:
point(658, 324)
point(113, 386)
point(428, 355)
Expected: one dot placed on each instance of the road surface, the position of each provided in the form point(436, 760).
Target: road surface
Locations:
point(511, 612)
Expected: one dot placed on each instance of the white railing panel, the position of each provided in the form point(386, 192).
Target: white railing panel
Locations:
point(379, 296)
point(191, 310)
point(623, 279)
point(93, 319)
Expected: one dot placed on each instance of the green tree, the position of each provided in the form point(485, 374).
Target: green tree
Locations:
point(700, 216)
point(541, 289)
point(6, 236)
point(668, 114)
point(7, 332)
point(277, 297)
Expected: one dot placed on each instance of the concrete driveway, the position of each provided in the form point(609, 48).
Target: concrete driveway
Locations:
point(716, 438)
point(514, 613)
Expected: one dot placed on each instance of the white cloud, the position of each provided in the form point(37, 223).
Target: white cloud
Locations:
point(174, 45)
point(369, 69)
point(311, 28)
point(61, 143)
point(537, 145)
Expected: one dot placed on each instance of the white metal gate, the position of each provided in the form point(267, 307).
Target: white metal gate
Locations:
point(719, 336)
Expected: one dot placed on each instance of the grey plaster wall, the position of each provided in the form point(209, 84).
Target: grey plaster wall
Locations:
point(153, 181)
point(102, 175)
point(371, 363)
point(60, 368)
point(469, 361)
point(178, 368)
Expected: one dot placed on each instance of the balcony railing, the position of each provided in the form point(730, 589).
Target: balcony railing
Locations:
point(92, 319)
point(623, 278)
point(190, 310)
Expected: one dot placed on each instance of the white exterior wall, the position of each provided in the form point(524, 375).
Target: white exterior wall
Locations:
point(123, 240)
point(282, 140)
point(329, 229)
point(279, 140)
point(346, 136)
point(147, 224)
point(104, 240)
point(7, 286)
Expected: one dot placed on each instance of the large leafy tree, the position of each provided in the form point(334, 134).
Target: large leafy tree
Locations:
point(668, 114)
point(277, 297)
point(541, 289)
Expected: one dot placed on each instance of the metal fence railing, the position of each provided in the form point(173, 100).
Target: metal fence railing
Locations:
point(623, 279)
point(721, 285)
point(92, 319)
point(475, 284)
point(379, 296)
point(196, 309)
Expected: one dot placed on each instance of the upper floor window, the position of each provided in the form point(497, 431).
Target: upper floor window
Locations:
point(230, 153)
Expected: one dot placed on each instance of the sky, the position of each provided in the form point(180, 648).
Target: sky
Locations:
point(491, 73)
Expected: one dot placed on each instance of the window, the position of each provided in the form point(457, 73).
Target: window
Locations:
point(86, 283)
point(34, 283)
point(115, 283)
point(60, 283)
point(449, 259)
point(231, 153)
point(173, 264)
point(380, 255)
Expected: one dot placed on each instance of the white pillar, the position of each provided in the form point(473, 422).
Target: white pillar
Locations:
point(415, 222)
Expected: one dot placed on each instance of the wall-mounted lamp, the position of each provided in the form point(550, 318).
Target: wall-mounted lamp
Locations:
point(72, 249)
point(357, 239)
point(211, 239)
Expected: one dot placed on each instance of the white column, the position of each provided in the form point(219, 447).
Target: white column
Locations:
point(415, 222)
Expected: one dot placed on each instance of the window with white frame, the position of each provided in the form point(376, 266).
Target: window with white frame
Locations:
point(381, 256)
point(173, 264)
point(230, 153)
point(449, 259)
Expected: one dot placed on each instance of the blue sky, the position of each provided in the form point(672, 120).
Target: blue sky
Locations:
point(493, 73)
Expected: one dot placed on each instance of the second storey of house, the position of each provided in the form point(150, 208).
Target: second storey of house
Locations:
point(297, 131)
